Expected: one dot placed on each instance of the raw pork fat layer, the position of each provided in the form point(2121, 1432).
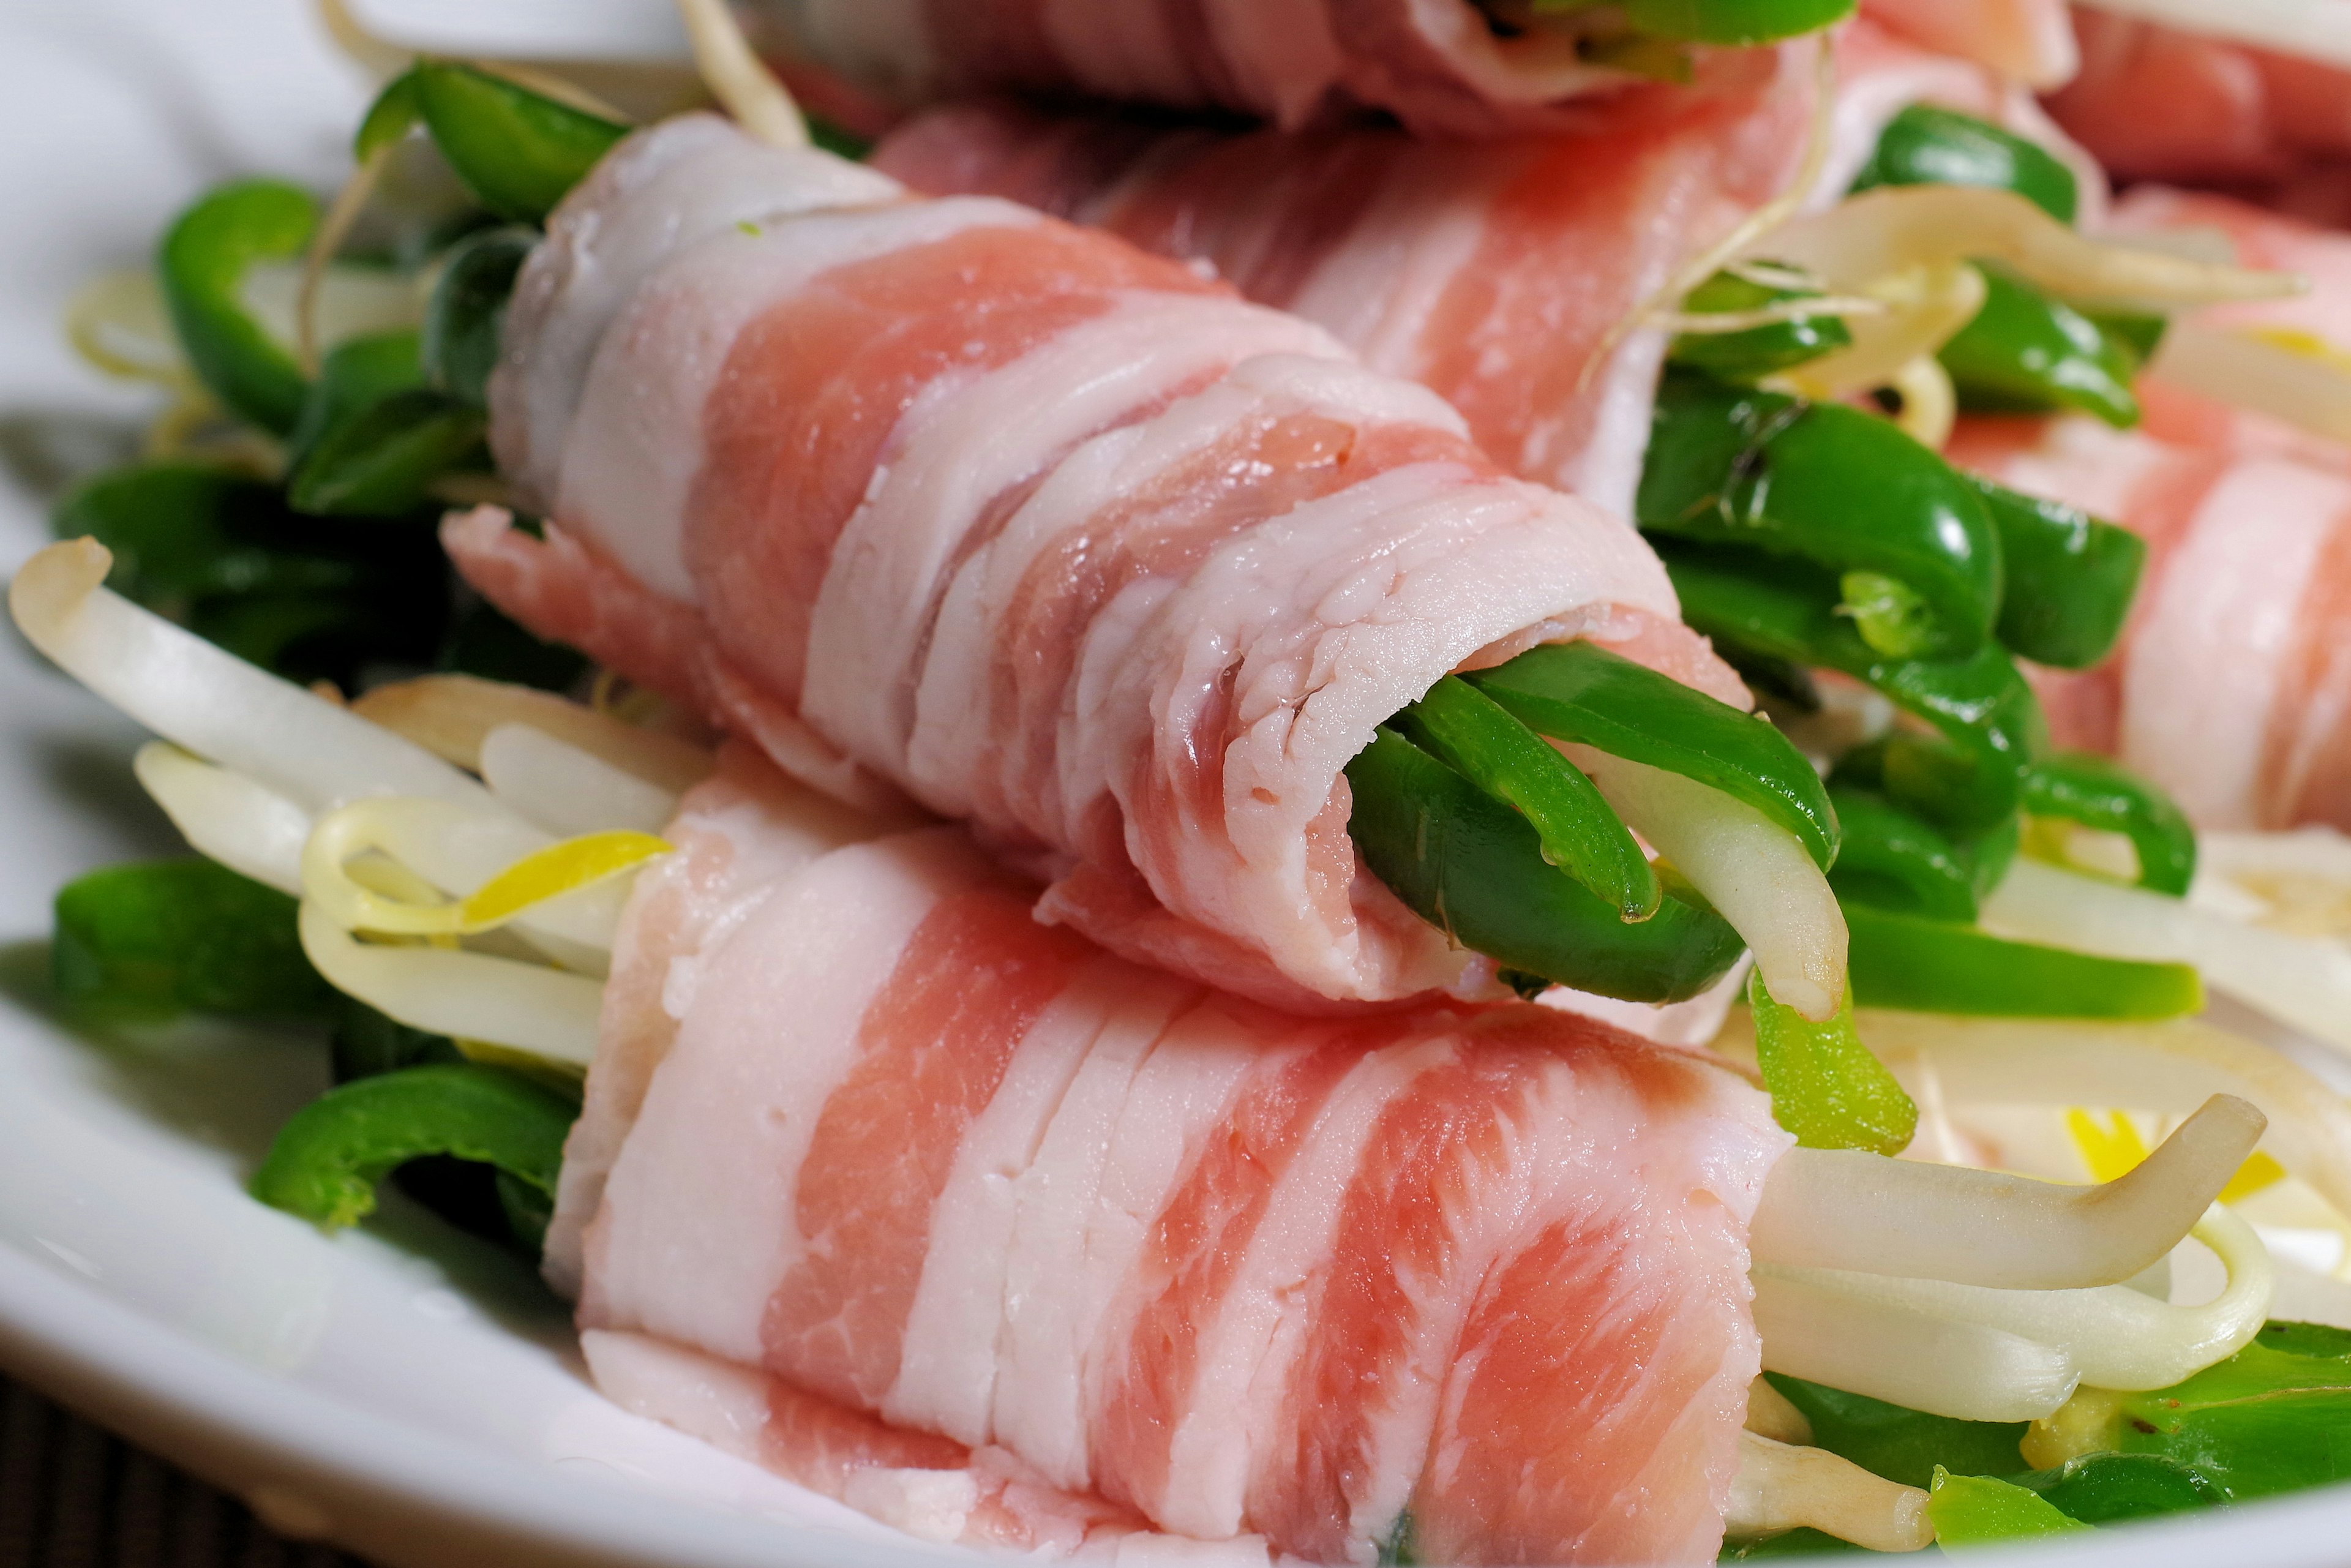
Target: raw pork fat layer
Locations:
point(2227, 112)
point(981, 1201)
point(951, 499)
point(1500, 275)
point(1438, 65)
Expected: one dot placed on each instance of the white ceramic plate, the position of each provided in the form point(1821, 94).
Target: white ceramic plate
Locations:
point(399, 1390)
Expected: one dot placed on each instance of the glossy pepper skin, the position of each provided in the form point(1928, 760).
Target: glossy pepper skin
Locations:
point(2269, 1420)
point(1825, 1086)
point(1968, 781)
point(1732, 21)
point(1472, 866)
point(1582, 694)
point(333, 1153)
point(200, 268)
point(2069, 578)
point(517, 151)
point(1917, 965)
point(1894, 860)
point(1753, 352)
point(1925, 145)
point(1775, 476)
point(2084, 788)
point(155, 939)
point(2024, 352)
point(1578, 832)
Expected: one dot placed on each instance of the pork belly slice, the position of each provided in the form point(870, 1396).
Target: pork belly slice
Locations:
point(949, 501)
point(2232, 686)
point(1440, 66)
point(1499, 274)
point(971, 1198)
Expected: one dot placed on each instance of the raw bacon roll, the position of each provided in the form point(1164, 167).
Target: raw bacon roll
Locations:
point(1444, 68)
point(1499, 275)
point(2027, 41)
point(1049, 534)
point(2230, 111)
point(949, 1214)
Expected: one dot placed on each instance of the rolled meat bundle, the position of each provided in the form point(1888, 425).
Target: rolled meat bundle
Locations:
point(1450, 68)
point(885, 1185)
point(2027, 41)
point(2230, 111)
point(1503, 275)
point(1049, 534)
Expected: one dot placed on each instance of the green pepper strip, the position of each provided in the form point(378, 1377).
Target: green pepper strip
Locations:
point(2097, 793)
point(467, 313)
point(1979, 1511)
point(2105, 1488)
point(1831, 485)
point(2071, 578)
point(2024, 352)
point(1582, 692)
point(329, 1157)
point(1579, 832)
point(1732, 21)
point(373, 436)
point(202, 266)
point(1756, 351)
point(1901, 1444)
point(1825, 1086)
point(1473, 867)
point(159, 939)
point(519, 152)
point(1924, 145)
point(1782, 610)
point(2269, 1420)
point(1916, 965)
point(1888, 858)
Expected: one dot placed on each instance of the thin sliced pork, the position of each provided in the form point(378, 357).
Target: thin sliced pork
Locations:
point(951, 500)
point(1499, 275)
point(1442, 67)
point(2228, 111)
point(953, 1217)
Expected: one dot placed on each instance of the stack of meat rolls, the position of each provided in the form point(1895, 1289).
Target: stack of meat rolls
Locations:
point(951, 500)
point(1500, 273)
point(949, 1214)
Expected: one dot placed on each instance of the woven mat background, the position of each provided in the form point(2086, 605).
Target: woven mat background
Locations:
point(74, 1496)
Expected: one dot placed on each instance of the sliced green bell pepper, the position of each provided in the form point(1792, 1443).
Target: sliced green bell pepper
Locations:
point(1579, 832)
point(1889, 858)
point(1825, 1086)
point(1733, 21)
point(2105, 1488)
point(2272, 1418)
point(467, 312)
point(1820, 483)
point(1981, 1510)
point(1582, 692)
point(1991, 726)
point(1473, 867)
point(1916, 965)
point(517, 151)
point(2098, 793)
point(2070, 578)
point(330, 1157)
point(2024, 352)
point(1753, 352)
point(1898, 1443)
point(373, 437)
point(1925, 145)
point(201, 266)
point(158, 938)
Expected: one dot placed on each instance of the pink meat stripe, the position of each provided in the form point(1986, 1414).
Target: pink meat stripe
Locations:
point(944, 1213)
point(1497, 274)
point(949, 500)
